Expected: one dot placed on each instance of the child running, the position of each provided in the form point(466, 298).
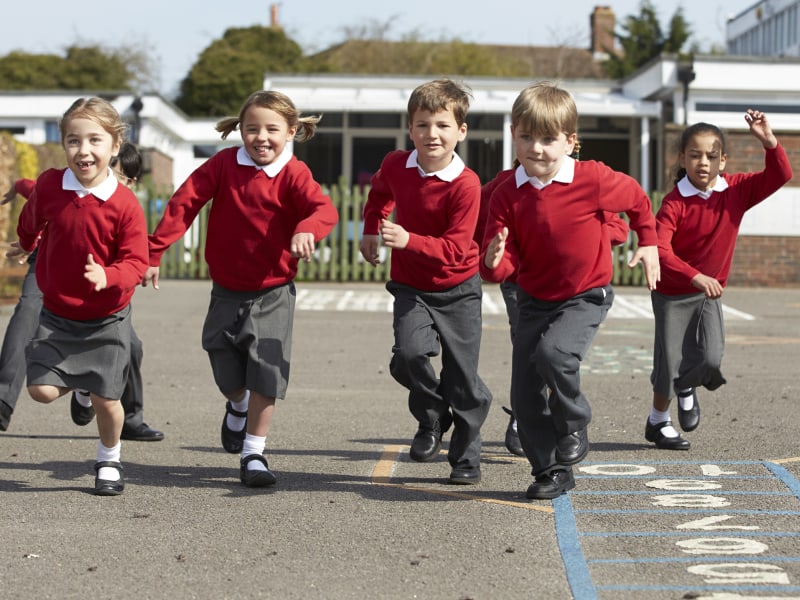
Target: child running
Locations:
point(127, 167)
point(697, 227)
point(546, 227)
point(91, 257)
point(434, 276)
point(267, 213)
point(618, 232)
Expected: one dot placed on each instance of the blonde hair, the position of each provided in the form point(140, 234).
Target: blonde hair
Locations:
point(544, 108)
point(281, 104)
point(441, 94)
point(98, 110)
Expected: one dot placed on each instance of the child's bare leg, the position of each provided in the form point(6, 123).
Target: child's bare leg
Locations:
point(46, 393)
point(110, 417)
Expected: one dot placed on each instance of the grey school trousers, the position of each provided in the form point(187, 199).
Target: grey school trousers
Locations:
point(450, 320)
point(552, 339)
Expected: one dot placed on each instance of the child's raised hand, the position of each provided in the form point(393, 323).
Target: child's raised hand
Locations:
point(17, 253)
point(759, 127)
point(151, 274)
point(648, 256)
point(369, 249)
point(302, 246)
point(394, 235)
point(708, 285)
point(496, 249)
point(95, 274)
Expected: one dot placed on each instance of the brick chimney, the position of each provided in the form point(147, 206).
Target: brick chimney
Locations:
point(602, 24)
point(273, 17)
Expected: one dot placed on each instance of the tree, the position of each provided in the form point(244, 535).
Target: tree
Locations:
point(81, 68)
point(644, 40)
point(233, 67)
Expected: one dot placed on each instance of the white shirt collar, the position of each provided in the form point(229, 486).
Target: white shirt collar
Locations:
point(449, 173)
point(104, 191)
point(566, 174)
point(687, 189)
point(273, 168)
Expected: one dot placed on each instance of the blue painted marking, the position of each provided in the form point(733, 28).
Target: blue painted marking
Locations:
point(578, 576)
point(787, 478)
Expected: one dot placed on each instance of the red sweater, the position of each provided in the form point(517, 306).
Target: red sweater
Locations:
point(556, 239)
point(699, 236)
point(114, 232)
point(440, 217)
point(251, 221)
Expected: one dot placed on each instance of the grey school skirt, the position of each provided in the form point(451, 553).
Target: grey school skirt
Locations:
point(248, 338)
point(689, 343)
point(87, 355)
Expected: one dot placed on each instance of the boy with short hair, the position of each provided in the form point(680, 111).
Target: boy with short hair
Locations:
point(545, 227)
point(434, 276)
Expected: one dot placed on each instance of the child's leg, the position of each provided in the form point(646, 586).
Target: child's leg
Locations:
point(254, 468)
point(110, 417)
point(46, 393)
point(659, 429)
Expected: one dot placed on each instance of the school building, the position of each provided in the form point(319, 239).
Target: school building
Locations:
point(632, 125)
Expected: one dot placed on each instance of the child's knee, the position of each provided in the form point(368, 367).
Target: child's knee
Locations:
point(43, 393)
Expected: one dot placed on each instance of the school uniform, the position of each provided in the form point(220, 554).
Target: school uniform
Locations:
point(697, 233)
point(437, 295)
point(83, 337)
point(559, 250)
point(255, 213)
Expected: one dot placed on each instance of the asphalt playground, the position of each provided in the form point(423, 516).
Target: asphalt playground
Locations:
point(352, 517)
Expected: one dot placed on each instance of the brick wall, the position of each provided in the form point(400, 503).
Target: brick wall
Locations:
point(758, 260)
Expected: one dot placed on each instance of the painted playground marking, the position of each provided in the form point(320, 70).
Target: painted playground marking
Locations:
point(721, 530)
point(633, 306)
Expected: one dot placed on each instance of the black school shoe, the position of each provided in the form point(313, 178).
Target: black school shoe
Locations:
point(572, 448)
point(513, 444)
point(465, 476)
point(652, 433)
point(141, 433)
point(232, 441)
point(5, 415)
point(106, 487)
point(427, 440)
point(81, 415)
point(551, 485)
point(689, 419)
point(256, 477)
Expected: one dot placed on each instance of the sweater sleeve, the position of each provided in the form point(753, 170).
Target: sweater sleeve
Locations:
point(499, 217)
point(318, 214)
point(380, 202)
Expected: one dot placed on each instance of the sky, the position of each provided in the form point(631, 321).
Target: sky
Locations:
point(175, 32)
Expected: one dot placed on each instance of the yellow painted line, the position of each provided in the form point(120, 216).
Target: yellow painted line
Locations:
point(745, 340)
point(784, 461)
point(382, 475)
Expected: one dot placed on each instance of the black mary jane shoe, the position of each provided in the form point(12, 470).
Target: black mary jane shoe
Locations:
point(256, 477)
point(653, 433)
point(106, 487)
point(232, 441)
point(81, 415)
point(689, 419)
point(572, 448)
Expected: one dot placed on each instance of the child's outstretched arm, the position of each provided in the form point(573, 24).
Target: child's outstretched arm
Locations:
point(648, 256)
point(759, 127)
point(710, 287)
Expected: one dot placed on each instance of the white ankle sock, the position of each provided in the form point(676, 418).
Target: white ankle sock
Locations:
point(686, 398)
point(254, 444)
point(108, 454)
point(239, 423)
point(658, 416)
point(83, 398)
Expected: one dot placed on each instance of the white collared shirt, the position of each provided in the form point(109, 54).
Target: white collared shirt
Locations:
point(566, 174)
point(449, 173)
point(273, 168)
point(104, 191)
point(687, 189)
